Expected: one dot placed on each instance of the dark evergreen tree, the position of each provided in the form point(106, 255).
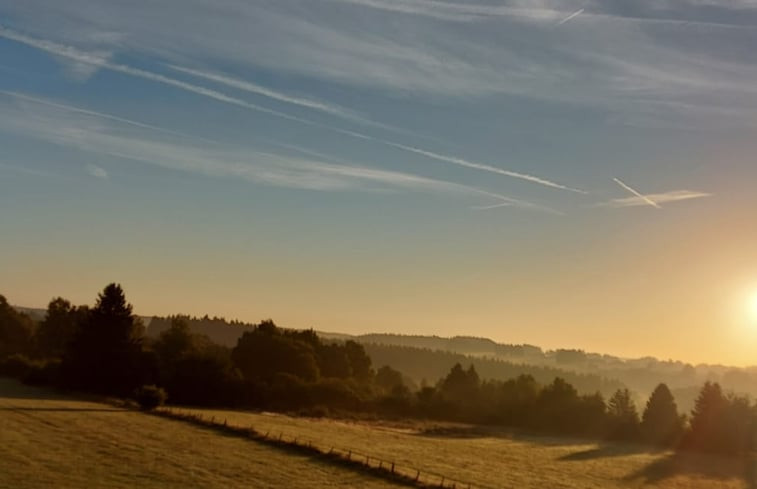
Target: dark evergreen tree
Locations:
point(622, 416)
point(707, 424)
point(460, 386)
point(360, 362)
point(16, 330)
point(106, 355)
point(661, 424)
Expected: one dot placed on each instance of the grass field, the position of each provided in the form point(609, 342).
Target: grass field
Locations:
point(50, 441)
point(490, 459)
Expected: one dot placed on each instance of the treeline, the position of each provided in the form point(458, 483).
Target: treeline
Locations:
point(423, 363)
point(104, 350)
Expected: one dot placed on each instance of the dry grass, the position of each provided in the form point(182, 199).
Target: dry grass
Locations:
point(51, 441)
point(491, 459)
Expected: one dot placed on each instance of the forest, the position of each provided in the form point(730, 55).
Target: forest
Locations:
point(105, 350)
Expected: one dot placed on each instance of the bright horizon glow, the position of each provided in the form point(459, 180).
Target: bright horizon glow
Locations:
point(752, 308)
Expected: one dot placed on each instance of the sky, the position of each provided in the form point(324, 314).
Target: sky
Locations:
point(572, 174)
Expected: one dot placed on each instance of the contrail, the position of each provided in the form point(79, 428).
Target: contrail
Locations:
point(571, 16)
point(82, 57)
point(267, 92)
point(493, 206)
point(637, 194)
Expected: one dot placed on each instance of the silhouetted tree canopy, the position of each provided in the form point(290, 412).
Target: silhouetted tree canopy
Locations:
point(623, 418)
point(106, 354)
point(16, 330)
point(263, 353)
point(661, 424)
point(720, 423)
point(59, 328)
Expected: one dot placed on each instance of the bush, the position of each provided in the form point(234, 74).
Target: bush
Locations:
point(149, 397)
point(17, 366)
point(35, 372)
point(43, 373)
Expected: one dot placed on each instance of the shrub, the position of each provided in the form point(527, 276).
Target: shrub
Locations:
point(16, 366)
point(149, 397)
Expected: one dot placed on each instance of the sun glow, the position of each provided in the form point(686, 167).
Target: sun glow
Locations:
point(752, 305)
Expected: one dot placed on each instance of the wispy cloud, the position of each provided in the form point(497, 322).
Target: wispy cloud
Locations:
point(97, 172)
point(30, 171)
point(73, 53)
point(92, 132)
point(50, 103)
point(638, 195)
point(659, 198)
point(457, 12)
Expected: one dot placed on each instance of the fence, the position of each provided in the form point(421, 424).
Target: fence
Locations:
point(377, 466)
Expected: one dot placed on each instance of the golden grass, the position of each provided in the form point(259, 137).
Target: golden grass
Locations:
point(492, 459)
point(48, 440)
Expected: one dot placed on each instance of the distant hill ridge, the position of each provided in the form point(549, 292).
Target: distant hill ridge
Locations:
point(588, 371)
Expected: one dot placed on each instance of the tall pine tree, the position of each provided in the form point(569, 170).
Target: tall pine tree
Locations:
point(661, 424)
point(106, 354)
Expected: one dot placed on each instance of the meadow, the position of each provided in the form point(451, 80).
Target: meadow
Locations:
point(50, 440)
point(491, 458)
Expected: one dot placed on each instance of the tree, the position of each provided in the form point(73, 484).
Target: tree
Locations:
point(390, 381)
point(555, 408)
point(333, 361)
point(16, 330)
point(58, 328)
point(106, 355)
point(460, 385)
point(707, 431)
point(360, 362)
point(174, 343)
point(623, 418)
point(263, 353)
point(720, 423)
point(661, 424)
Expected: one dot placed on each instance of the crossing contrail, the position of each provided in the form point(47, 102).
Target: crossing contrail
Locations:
point(637, 194)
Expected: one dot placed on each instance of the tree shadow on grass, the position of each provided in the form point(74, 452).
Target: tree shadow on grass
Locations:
point(13, 389)
point(608, 451)
point(519, 435)
point(62, 409)
point(708, 466)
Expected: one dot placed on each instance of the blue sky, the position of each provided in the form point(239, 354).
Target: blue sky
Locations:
point(418, 166)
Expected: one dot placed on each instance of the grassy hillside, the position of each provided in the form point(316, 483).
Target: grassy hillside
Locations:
point(51, 441)
point(490, 459)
